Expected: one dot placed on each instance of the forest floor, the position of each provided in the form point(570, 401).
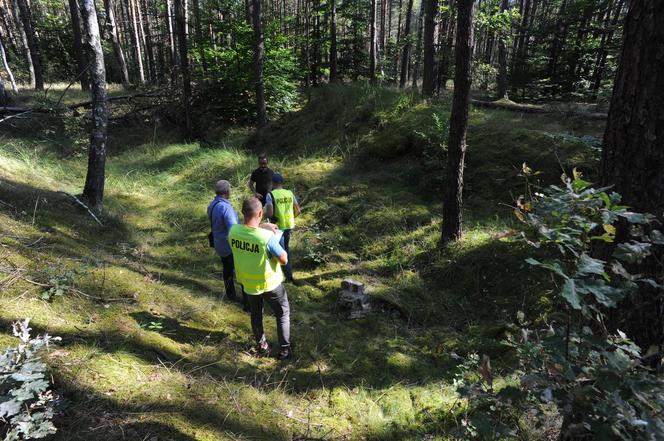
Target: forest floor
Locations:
point(151, 352)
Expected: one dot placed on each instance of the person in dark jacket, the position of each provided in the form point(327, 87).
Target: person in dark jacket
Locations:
point(260, 182)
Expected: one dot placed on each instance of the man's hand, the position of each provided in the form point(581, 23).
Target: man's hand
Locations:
point(269, 226)
point(258, 196)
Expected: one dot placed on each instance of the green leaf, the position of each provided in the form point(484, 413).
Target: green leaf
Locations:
point(634, 218)
point(570, 294)
point(657, 237)
point(632, 252)
point(589, 265)
point(552, 265)
point(605, 294)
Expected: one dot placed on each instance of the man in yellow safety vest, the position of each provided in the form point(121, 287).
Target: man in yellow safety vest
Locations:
point(258, 257)
point(281, 204)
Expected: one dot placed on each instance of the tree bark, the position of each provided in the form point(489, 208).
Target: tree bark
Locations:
point(199, 36)
point(633, 154)
point(372, 43)
point(333, 41)
point(452, 219)
point(118, 53)
point(5, 64)
point(93, 191)
point(502, 79)
point(428, 75)
point(32, 42)
point(136, 39)
point(181, 27)
point(259, 49)
point(598, 74)
point(405, 57)
point(78, 49)
point(24, 40)
point(418, 46)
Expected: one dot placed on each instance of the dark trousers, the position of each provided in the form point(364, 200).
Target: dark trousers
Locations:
point(228, 270)
point(285, 240)
point(278, 301)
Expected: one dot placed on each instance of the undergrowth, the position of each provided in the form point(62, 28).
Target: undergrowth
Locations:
point(149, 348)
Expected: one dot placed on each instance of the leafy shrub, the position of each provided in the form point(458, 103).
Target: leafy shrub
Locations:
point(572, 363)
point(26, 403)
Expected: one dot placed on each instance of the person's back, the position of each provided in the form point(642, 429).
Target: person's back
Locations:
point(284, 211)
point(258, 258)
point(282, 207)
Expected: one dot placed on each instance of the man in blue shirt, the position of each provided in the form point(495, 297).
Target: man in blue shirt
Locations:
point(222, 217)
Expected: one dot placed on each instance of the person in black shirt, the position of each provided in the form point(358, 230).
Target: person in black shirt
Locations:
point(260, 182)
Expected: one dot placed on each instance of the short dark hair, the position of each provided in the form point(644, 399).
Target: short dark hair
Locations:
point(262, 156)
point(251, 207)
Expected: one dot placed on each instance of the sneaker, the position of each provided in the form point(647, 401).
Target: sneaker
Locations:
point(285, 354)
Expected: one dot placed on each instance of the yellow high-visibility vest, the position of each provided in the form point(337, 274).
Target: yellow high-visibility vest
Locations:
point(253, 267)
point(282, 203)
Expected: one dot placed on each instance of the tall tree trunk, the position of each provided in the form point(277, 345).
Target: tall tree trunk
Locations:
point(24, 40)
point(405, 57)
point(383, 10)
point(372, 43)
point(633, 155)
point(136, 39)
point(171, 38)
point(502, 57)
point(199, 36)
point(94, 181)
point(333, 41)
point(32, 42)
point(6, 23)
point(397, 52)
point(598, 74)
point(316, 46)
point(118, 53)
point(456, 151)
point(418, 46)
point(181, 25)
point(5, 64)
point(428, 76)
point(78, 49)
point(261, 111)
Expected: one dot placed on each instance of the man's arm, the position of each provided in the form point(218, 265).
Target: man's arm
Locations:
point(275, 249)
point(269, 208)
point(296, 209)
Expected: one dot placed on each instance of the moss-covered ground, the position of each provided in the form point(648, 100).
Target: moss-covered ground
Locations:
point(151, 351)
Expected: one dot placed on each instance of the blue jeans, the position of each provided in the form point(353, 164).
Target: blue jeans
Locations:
point(284, 242)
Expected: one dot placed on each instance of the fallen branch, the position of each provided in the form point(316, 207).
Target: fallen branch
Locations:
point(78, 201)
point(527, 108)
point(118, 98)
point(535, 108)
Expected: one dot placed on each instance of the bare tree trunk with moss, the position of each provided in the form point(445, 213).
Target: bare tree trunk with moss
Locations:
point(199, 36)
point(32, 42)
point(428, 75)
point(418, 47)
point(259, 49)
point(93, 191)
point(372, 43)
point(181, 28)
point(333, 41)
point(5, 64)
point(136, 39)
point(405, 56)
point(502, 57)
point(456, 152)
point(118, 53)
point(24, 40)
point(78, 48)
